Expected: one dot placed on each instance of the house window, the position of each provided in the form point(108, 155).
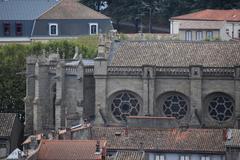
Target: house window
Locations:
point(205, 158)
point(209, 35)
point(160, 157)
point(19, 29)
point(3, 150)
point(93, 28)
point(199, 36)
point(184, 158)
point(6, 29)
point(188, 36)
point(227, 31)
point(53, 29)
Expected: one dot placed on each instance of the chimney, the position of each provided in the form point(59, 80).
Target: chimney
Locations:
point(141, 146)
point(68, 134)
point(229, 134)
point(104, 151)
point(98, 147)
point(126, 131)
point(224, 134)
point(33, 144)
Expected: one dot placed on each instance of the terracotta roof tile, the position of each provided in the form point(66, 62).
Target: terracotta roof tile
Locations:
point(130, 155)
point(69, 150)
point(175, 53)
point(6, 123)
point(210, 14)
point(165, 140)
point(72, 9)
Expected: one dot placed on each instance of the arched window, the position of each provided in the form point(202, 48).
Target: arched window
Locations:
point(220, 106)
point(125, 104)
point(174, 105)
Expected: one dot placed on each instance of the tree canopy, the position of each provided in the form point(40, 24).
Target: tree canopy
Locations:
point(120, 10)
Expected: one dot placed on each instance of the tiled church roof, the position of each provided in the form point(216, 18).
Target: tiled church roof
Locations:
point(175, 53)
point(166, 140)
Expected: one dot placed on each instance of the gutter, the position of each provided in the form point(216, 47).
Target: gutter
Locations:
point(34, 23)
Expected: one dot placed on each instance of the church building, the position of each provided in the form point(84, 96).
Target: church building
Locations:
point(198, 83)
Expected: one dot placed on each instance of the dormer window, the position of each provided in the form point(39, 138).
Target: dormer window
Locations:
point(93, 28)
point(53, 29)
point(19, 29)
point(6, 29)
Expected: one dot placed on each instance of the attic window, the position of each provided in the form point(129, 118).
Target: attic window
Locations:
point(53, 29)
point(93, 28)
point(18, 29)
point(6, 29)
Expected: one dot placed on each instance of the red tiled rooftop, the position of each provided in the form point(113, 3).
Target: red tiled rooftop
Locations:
point(164, 140)
point(211, 14)
point(69, 150)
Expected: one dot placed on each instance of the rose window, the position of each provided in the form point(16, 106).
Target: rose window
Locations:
point(175, 106)
point(125, 104)
point(220, 107)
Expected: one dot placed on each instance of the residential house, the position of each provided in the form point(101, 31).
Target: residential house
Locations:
point(233, 145)
point(70, 150)
point(11, 131)
point(25, 20)
point(143, 143)
point(207, 24)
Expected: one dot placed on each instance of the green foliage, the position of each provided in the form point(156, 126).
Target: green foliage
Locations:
point(12, 67)
point(134, 10)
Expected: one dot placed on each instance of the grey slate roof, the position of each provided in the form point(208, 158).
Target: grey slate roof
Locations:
point(24, 9)
point(175, 53)
point(6, 124)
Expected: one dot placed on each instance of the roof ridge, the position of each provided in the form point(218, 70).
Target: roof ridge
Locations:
point(178, 41)
point(93, 10)
point(60, 1)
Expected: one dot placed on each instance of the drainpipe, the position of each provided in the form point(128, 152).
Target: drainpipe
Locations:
point(148, 77)
point(232, 30)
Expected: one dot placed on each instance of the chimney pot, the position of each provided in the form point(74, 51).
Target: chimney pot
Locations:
point(98, 147)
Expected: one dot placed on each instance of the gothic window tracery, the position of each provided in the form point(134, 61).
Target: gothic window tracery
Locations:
point(220, 107)
point(125, 104)
point(174, 105)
